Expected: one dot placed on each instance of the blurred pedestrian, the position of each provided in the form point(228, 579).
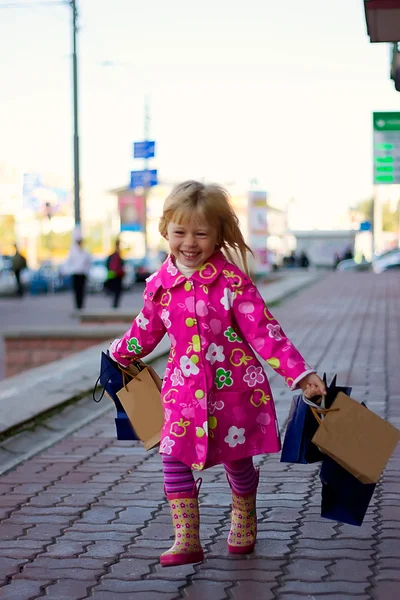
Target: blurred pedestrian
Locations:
point(18, 264)
point(78, 265)
point(304, 261)
point(115, 275)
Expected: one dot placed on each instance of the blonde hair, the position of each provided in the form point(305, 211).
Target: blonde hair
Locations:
point(210, 202)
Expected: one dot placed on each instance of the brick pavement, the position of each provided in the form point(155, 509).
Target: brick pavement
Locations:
point(87, 518)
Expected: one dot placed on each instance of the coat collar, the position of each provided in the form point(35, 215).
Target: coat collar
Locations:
point(208, 273)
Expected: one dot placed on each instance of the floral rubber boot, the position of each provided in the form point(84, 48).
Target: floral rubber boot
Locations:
point(243, 533)
point(186, 521)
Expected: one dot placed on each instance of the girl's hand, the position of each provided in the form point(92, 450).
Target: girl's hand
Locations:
point(312, 385)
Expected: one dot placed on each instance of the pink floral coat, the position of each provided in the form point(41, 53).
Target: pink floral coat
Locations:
point(216, 397)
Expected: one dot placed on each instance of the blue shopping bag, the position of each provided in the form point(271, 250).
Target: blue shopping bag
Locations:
point(302, 425)
point(111, 379)
point(344, 498)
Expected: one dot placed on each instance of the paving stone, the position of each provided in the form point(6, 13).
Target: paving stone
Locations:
point(153, 595)
point(243, 590)
point(69, 589)
point(122, 586)
point(351, 570)
point(129, 569)
point(214, 590)
point(23, 589)
point(307, 570)
point(324, 587)
point(386, 590)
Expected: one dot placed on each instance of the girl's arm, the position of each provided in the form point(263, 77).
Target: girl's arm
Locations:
point(146, 332)
point(263, 332)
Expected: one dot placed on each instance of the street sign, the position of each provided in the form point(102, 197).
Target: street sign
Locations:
point(144, 149)
point(386, 142)
point(145, 178)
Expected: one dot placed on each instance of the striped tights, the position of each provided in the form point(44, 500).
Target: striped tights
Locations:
point(178, 477)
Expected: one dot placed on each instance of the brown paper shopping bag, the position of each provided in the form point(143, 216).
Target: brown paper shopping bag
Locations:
point(141, 400)
point(356, 438)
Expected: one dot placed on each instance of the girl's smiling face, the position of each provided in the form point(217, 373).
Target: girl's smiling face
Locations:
point(192, 242)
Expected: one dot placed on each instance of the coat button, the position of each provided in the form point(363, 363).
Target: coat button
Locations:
point(187, 286)
point(199, 394)
point(190, 322)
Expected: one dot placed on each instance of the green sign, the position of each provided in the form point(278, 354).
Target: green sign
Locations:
point(386, 128)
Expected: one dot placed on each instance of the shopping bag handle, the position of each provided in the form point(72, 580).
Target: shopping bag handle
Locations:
point(316, 409)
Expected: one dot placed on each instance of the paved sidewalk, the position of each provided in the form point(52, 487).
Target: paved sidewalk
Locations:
point(87, 517)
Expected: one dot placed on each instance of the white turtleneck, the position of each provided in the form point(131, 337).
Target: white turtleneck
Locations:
point(186, 271)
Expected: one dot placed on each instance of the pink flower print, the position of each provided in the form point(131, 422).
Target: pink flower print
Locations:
point(263, 419)
point(173, 339)
point(189, 303)
point(216, 326)
point(187, 410)
point(274, 332)
point(166, 445)
point(213, 406)
point(167, 414)
point(171, 269)
point(246, 308)
point(166, 373)
point(165, 318)
point(176, 377)
point(201, 308)
point(258, 344)
point(254, 375)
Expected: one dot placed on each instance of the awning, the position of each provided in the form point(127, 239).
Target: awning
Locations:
point(383, 20)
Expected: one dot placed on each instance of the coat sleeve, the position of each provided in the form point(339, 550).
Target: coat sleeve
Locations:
point(146, 332)
point(263, 332)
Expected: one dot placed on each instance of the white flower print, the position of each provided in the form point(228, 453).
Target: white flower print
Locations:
point(235, 436)
point(142, 321)
point(171, 269)
point(274, 332)
point(188, 367)
point(215, 353)
point(227, 300)
point(166, 445)
point(254, 375)
point(176, 377)
point(150, 277)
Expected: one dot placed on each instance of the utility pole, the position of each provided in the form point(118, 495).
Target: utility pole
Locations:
point(146, 167)
point(77, 204)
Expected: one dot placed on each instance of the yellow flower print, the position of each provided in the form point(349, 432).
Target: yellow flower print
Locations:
point(204, 288)
point(207, 428)
point(194, 345)
point(198, 466)
point(211, 271)
point(237, 280)
point(238, 357)
point(172, 355)
point(261, 398)
point(178, 428)
point(275, 363)
point(167, 399)
point(268, 315)
point(166, 298)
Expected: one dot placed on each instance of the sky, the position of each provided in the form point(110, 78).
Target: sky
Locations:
point(278, 91)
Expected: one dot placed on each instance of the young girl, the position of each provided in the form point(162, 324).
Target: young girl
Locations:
point(218, 406)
